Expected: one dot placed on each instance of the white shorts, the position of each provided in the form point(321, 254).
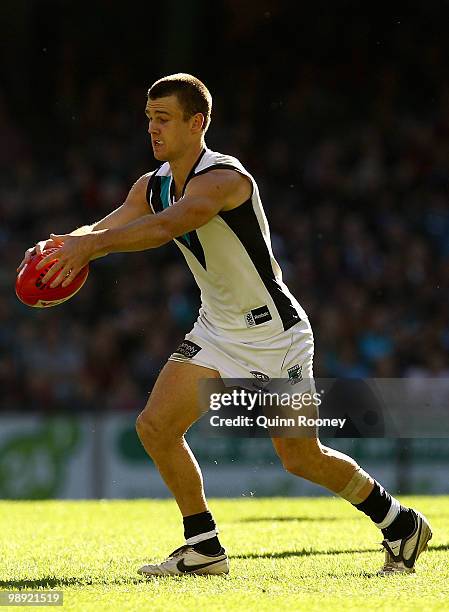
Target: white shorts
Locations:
point(289, 355)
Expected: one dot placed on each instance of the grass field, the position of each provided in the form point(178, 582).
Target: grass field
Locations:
point(292, 554)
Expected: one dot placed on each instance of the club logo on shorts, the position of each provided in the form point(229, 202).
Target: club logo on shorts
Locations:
point(187, 349)
point(295, 374)
point(260, 375)
point(257, 316)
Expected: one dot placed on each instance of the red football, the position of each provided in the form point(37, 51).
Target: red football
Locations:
point(31, 291)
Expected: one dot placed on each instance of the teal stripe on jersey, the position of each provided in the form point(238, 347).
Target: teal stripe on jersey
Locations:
point(165, 191)
point(165, 198)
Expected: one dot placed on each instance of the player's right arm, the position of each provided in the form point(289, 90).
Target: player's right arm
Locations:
point(134, 207)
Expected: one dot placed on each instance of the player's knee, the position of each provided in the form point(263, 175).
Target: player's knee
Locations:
point(149, 431)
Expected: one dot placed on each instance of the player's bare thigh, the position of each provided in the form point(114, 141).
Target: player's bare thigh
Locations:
point(173, 405)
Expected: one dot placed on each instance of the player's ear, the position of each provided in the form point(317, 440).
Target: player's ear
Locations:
point(198, 122)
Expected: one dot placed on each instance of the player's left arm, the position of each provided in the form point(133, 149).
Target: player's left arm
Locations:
point(206, 195)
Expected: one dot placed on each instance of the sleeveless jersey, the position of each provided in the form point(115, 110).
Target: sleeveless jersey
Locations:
point(231, 258)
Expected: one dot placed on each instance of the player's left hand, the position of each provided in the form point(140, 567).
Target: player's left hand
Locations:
point(74, 252)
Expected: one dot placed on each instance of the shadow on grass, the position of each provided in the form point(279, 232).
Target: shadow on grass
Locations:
point(301, 553)
point(304, 519)
point(354, 575)
point(52, 582)
point(437, 547)
point(311, 553)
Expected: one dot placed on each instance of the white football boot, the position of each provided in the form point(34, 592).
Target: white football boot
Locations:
point(401, 555)
point(186, 560)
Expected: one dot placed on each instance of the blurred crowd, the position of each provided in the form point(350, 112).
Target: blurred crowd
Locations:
point(354, 180)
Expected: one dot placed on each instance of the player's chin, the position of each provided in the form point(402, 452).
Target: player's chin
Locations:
point(159, 155)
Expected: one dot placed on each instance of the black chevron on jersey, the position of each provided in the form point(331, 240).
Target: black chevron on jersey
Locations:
point(192, 242)
point(243, 222)
point(155, 195)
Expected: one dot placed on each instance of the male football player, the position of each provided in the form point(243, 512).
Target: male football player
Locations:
point(249, 322)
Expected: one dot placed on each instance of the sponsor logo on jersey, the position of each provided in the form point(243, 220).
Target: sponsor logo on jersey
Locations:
point(187, 349)
point(295, 374)
point(257, 316)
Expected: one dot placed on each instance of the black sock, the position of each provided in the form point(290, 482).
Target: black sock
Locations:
point(211, 546)
point(401, 527)
point(202, 522)
point(377, 504)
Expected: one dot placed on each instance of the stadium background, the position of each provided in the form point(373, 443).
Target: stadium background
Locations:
point(342, 117)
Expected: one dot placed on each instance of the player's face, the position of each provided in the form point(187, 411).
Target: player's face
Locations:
point(170, 133)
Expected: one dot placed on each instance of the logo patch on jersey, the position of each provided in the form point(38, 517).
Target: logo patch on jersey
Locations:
point(257, 316)
point(295, 374)
point(187, 349)
point(260, 375)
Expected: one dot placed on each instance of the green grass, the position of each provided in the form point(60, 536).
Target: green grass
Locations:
point(293, 554)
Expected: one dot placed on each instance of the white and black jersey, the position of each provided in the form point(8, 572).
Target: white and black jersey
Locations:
point(231, 258)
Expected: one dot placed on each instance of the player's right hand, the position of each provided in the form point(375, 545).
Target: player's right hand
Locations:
point(36, 250)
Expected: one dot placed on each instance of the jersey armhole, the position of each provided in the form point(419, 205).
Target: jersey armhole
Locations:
point(227, 167)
